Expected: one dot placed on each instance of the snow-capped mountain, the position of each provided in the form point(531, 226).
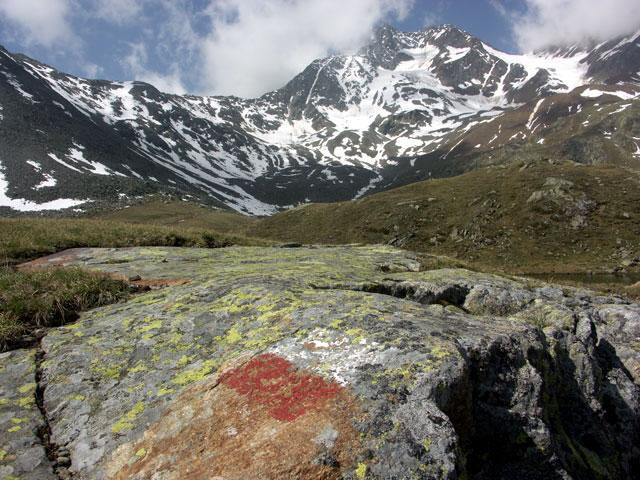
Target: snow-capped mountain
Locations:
point(405, 107)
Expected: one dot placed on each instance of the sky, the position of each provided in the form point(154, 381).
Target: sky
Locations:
point(249, 47)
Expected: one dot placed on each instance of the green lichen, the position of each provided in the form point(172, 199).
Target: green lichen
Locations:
point(27, 388)
point(140, 367)
point(262, 337)
point(195, 375)
point(357, 335)
point(3, 454)
point(141, 453)
point(404, 375)
point(151, 325)
point(110, 371)
point(439, 352)
point(184, 361)
point(15, 429)
point(361, 471)
point(233, 335)
point(162, 391)
point(26, 402)
point(126, 422)
point(426, 443)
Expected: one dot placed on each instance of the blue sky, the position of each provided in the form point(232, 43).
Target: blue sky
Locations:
point(478, 17)
point(247, 47)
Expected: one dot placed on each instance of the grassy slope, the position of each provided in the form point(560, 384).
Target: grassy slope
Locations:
point(498, 229)
point(183, 215)
point(25, 238)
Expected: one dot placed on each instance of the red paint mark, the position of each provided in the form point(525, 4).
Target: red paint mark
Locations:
point(274, 382)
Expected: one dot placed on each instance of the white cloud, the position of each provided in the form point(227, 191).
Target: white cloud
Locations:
point(561, 22)
point(44, 23)
point(258, 45)
point(118, 11)
point(91, 70)
point(135, 63)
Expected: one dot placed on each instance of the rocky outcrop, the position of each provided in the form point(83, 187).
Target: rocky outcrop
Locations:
point(558, 196)
point(335, 363)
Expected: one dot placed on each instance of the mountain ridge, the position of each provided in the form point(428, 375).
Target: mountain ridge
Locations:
point(408, 105)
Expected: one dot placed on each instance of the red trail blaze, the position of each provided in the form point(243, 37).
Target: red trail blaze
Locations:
point(274, 382)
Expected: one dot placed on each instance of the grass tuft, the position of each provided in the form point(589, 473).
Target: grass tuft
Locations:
point(32, 300)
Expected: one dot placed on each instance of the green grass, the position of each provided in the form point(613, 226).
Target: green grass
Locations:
point(32, 300)
point(183, 215)
point(27, 238)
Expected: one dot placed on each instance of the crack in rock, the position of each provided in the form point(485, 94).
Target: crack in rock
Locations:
point(58, 456)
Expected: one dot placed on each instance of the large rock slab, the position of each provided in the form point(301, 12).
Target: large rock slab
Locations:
point(340, 363)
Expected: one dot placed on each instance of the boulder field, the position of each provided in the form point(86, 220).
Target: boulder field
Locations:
point(324, 363)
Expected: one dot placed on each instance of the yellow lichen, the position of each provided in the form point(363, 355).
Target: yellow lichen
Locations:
point(184, 361)
point(427, 444)
point(111, 371)
point(439, 352)
point(361, 471)
point(27, 387)
point(25, 402)
point(140, 367)
point(17, 428)
point(336, 323)
point(162, 391)
point(195, 375)
point(152, 325)
point(126, 422)
point(141, 453)
point(233, 336)
point(357, 335)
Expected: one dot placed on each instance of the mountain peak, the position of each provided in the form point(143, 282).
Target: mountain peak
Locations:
point(332, 133)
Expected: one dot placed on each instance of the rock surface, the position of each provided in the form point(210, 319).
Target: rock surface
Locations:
point(22, 454)
point(331, 363)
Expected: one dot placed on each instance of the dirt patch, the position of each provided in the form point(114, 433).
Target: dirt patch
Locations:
point(67, 257)
point(264, 419)
point(56, 260)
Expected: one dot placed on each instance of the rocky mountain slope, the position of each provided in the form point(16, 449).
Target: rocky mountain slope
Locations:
point(406, 107)
point(325, 363)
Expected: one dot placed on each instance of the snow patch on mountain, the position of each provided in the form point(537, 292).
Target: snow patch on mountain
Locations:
point(594, 93)
point(24, 205)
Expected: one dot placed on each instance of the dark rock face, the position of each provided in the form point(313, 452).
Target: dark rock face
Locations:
point(345, 126)
point(336, 363)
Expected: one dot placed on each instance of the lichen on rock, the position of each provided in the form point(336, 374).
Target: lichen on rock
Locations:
point(328, 363)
